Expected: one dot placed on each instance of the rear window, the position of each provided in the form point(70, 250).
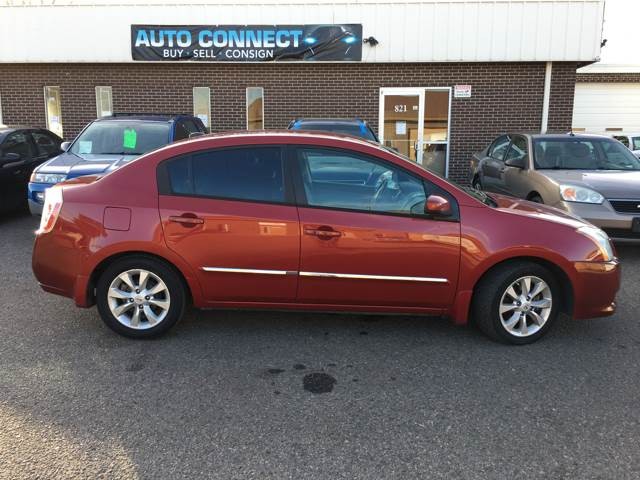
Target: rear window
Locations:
point(354, 130)
point(574, 153)
point(252, 174)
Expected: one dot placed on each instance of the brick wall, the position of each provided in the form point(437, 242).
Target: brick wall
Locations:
point(505, 96)
point(608, 77)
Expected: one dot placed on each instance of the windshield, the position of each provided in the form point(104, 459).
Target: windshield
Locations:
point(121, 138)
point(354, 130)
point(574, 153)
point(636, 143)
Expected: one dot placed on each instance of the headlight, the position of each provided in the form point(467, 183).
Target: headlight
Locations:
point(47, 177)
point(600, 239)
point(573, 193)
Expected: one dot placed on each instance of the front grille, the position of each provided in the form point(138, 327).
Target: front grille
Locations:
point(621, 233)
point(626, 206)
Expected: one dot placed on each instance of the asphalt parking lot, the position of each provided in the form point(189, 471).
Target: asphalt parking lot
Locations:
point(239, 394)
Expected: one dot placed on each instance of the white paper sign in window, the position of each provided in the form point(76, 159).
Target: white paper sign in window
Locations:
point(104, 102)
point(53, 109)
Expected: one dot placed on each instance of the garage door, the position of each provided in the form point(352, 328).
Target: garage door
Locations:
point(607, 107)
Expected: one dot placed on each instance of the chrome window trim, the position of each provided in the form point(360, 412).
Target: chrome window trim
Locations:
point(374, 277)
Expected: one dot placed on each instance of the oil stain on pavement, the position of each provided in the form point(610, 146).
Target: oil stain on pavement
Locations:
point(318, 383)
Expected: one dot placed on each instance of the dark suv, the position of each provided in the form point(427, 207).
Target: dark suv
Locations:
point(346, 126)
point(108, 143)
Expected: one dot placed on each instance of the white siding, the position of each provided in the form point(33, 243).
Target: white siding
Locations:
point(409, 31)
point(598, 106)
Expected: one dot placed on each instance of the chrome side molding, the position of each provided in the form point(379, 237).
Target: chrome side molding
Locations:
point(355, 276)
point(374, 277)
point(249, 270)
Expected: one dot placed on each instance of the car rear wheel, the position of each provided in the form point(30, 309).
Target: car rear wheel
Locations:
point(140, 297)
point(516, 303)
point(536, 199)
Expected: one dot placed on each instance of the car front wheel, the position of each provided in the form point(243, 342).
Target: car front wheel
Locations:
point(516, 303)
point(140, 297)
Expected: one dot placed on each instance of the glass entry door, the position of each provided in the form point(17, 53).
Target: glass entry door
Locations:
point(415, 122)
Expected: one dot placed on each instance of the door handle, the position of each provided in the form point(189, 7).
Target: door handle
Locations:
point(323, 232)
point(188, 220)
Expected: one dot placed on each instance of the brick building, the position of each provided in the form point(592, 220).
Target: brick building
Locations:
point(436, 79)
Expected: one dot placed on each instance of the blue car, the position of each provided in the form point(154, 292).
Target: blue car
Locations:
point(106, 144)
point(345, 126)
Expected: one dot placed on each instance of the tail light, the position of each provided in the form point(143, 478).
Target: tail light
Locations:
point(51, 209)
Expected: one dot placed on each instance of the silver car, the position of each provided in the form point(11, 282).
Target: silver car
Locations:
point(591, 176)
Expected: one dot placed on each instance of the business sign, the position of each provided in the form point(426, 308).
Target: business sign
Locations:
point(462, 91)
point(247, 43)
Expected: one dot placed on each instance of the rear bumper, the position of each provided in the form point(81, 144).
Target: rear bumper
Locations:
point(595, 287)
point(58, 268)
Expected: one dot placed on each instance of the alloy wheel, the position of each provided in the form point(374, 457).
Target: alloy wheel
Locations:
point(525, 306)
point(138, 299)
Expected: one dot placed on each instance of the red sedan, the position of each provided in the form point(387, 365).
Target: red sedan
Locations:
point(285, 220)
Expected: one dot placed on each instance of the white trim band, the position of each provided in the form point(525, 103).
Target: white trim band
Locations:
point(248, 270)
point(373, 277)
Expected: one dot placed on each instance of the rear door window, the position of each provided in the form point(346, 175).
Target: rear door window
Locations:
point(20, 143)
point(249, 174)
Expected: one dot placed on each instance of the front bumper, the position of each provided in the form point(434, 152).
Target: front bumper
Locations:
point(35, 196)
point(617, 225)
point(595, 287)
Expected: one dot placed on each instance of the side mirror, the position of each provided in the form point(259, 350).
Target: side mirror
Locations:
point(64, 146)
point(196, 134)
point(516, 162)
point(437, 205)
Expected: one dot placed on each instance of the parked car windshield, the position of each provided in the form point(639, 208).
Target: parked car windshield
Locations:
point(121, 138)
point(636, 143)
point(354, 130)
point(575, 153)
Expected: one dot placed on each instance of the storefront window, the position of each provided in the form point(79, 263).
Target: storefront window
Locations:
point(415, 122)
point(435, 130)
point(401, 120)
point(255, 108)
point(202, 105)
point(104, 103)
point(53, 109)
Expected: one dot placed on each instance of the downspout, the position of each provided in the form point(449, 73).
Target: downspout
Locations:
point(545, 100)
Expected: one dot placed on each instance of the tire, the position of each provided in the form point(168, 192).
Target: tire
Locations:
point(492, 294)
point(149, 315)
point(536, 199)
